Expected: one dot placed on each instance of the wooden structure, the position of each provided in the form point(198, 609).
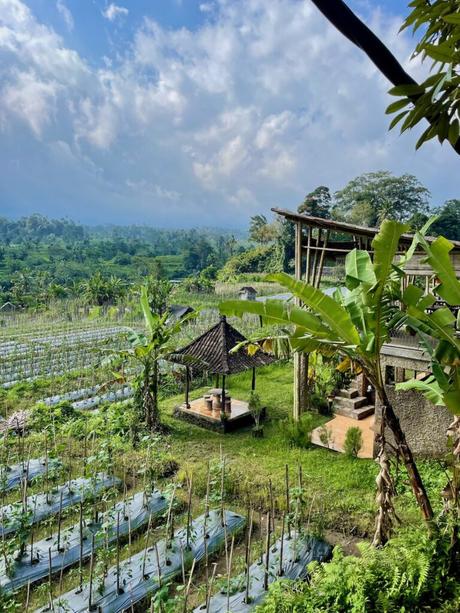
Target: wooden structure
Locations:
point(318, 240)
point(212, 353)
point(247, 293)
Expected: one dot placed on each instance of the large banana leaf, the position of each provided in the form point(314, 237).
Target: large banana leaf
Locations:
point(385, 245)
point(438, 257)
point(282, 313)
point(359, 269)
point(429, 388)
point(331, 312)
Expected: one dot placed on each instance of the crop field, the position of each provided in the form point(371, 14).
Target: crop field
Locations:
point(98, 517)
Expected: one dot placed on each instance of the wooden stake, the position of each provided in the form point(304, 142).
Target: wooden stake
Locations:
point(229, 573)
point(288, 504)
point(248, 559)
point(208, 595)
point(281, 569)
point(267, 552)
point(189, 584)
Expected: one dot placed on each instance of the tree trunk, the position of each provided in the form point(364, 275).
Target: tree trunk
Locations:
point(155, 424)
point(406, 454)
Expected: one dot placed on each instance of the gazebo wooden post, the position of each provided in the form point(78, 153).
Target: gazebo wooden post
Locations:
point(222, 398)
point(300, 359)
point(187, 387)
point(253, 382)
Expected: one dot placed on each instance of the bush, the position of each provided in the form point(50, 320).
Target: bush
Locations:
point(44, 416)
point(408, 574)
point(353, 442)
point(298, 433)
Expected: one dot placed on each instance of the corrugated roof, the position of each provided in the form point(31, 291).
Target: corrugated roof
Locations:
point(211, 352)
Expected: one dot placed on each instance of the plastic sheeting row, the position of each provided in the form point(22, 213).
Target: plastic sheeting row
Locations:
point(141, 575)
point(298, 552)
point(74, 543)
point(12, 476)
point(41, 506)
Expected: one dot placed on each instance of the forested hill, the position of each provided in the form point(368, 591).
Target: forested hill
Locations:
point(37, 253)
point(39, 228)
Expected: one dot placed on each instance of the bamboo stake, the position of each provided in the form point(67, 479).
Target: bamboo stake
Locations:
point(91, 571)
point(81, 547)
point(288, 505)
point(281, 569)
point(248, 559)
point(229, 573)
point(118, 553)
point(189, 511)
point(59, 522)
point(267, 552)
point(189, 584)
point(208, 595)
point(146, 546)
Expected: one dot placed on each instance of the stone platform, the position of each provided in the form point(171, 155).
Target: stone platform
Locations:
point(198, 414)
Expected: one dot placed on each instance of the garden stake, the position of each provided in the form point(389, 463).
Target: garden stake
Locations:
point(207, 492)
point(267, 552)
point(229, 573)
point(59, 523)
point(222, 490)
point(28, 597)
point(189, 511)
point(280, 569)
point(158, 564)
point(261, 536)
point(91, 570)
point(272, 504)
point(208, 595)
point(50, 585)
point(187, 591)
point(81, 547)
point(288, 506)
point(146, 546)
point(182, 562)
point(61, 574)
point(118, 553)
point(248, 559)
point(205, 543)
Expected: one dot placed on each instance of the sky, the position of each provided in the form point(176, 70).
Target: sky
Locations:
point(187, 113)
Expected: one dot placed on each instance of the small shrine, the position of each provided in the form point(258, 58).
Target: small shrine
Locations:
point(212, 352)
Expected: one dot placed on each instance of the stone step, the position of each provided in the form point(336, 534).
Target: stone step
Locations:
point(350, 403)
point(359, 413)
point(348, 393)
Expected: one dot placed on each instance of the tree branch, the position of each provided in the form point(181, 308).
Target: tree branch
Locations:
point(343, 18)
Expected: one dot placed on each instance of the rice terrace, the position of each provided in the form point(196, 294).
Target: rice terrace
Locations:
point(229, 341)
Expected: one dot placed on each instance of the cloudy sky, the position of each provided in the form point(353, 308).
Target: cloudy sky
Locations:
point(184, 113)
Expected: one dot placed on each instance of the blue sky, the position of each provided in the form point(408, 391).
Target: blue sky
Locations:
point(188, 113)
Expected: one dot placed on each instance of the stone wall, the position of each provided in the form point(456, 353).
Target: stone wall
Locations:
point(424, 424)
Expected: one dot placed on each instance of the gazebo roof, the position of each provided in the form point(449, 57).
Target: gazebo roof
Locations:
point(211, 352)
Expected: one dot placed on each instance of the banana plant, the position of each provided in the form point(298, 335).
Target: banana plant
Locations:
point(148, 349)
point(437, 331)
point(355, 323)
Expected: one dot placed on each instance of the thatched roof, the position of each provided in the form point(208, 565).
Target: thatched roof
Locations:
point(211, 352)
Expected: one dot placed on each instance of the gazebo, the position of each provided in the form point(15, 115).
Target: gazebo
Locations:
point(212, 353)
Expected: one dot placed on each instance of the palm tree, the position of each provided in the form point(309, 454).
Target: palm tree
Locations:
point(355, 325)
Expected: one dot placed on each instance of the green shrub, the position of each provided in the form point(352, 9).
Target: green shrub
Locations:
point(298, 433)
point(44, 416)
point(408, 574)
point(353, 442)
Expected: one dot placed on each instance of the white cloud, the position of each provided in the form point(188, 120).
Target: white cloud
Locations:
point(65, 13)
point(250, 109)
point(113, 11)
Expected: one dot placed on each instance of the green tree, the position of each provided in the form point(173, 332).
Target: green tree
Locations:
point(317, 203)
point(448, 221)
point(436, 99)
point(261, 231)
point(355, 325)
point(374, 196)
